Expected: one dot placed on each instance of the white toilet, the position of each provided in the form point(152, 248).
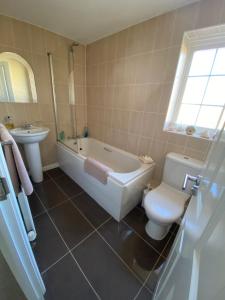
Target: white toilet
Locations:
point(164, 205)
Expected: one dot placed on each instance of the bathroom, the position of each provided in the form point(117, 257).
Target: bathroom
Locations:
point(103, 84)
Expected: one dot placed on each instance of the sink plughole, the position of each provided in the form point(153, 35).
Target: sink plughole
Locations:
point(30, 138)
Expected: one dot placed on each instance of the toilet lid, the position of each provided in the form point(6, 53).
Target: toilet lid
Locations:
point(165, 204)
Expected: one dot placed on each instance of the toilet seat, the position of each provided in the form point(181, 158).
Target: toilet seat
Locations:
point(165, 204)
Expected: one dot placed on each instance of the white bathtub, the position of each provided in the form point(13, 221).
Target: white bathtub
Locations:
point(125, 184)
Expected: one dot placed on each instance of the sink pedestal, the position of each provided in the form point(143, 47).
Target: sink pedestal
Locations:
point(33, 156)
point(30, 139)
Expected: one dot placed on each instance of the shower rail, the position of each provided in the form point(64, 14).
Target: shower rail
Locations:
point(53, 92)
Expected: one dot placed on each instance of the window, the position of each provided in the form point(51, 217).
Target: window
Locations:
point(198, 97)
point(17, 82)
point(6, 93)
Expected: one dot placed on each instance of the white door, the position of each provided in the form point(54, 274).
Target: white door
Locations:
point(14, 243)
point(196, 265)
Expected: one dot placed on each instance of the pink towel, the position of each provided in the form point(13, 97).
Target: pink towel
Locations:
point(97, 169)
point(5, 136)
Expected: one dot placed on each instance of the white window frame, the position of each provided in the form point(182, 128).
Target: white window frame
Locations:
point(193, 41)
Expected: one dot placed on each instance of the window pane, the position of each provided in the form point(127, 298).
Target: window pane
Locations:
point(202, 62)
point(219, 64)
point(194, 90)
point(208, 116)
point(215, 93)
point(188, 114)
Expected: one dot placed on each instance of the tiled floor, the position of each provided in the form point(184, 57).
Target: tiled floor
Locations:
point(83, 253)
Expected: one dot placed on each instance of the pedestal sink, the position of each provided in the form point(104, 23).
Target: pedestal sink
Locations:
point(30, 139)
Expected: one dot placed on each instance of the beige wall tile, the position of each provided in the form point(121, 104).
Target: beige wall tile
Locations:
point(209, 13)
point(33, 43)
point(144, 146)
point(129, 79)
point(121, 43)
point(153, 97)
point(135, 122)
point(143, 66)
point(6, 31)
point(165, 26)
point(133, 143)
point(21, 35)
point(37, 40)
point(185, 19)
point(140, 63)
point(149, 124)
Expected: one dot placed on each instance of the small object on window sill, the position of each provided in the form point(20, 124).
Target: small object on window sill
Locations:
point(180, 128)
point(171, 127)
point(190, 130)
point(205, 134)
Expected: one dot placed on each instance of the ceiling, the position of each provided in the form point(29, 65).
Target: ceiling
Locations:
point(87, 20)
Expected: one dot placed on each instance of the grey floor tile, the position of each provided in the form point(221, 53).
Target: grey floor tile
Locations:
point(70, 187)
point(108, 275)
point(140, 257)
point(48, 246)
point(50, 194)
point(70, 223)
point(95, 214)
point(65, 281)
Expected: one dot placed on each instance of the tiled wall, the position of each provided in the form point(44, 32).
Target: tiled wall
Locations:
point(129, 80)
point(33, 43)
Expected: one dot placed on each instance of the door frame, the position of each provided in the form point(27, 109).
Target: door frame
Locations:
point(14, 243)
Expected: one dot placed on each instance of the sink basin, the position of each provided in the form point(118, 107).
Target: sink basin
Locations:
point(30, 138)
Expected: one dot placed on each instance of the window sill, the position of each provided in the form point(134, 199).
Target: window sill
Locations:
point(195, 135)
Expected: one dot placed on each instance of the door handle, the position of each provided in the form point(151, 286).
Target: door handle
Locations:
point(4, 189)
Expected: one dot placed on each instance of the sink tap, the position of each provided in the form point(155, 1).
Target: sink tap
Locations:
point(27, 125)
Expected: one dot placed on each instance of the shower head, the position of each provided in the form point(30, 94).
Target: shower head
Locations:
point(74, 44)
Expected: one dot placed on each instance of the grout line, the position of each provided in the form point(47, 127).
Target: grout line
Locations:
point(52, 177)
point(161, 256)
point(76, 196)
point(51, 208)
point(90, 234)
point(160, 253)
point(39, 214)
point(142, 237)
point(61, 189)
point(69, 251)
point(57, 205)
point(82, 214)
point(125, 57)
point(146, 280)
point(120, 258)
point(96, 230)
point(52, 265)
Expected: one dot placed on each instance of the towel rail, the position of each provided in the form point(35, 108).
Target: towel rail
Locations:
point(6, 143)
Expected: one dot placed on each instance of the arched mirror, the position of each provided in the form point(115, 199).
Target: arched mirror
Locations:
point(17, 82)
